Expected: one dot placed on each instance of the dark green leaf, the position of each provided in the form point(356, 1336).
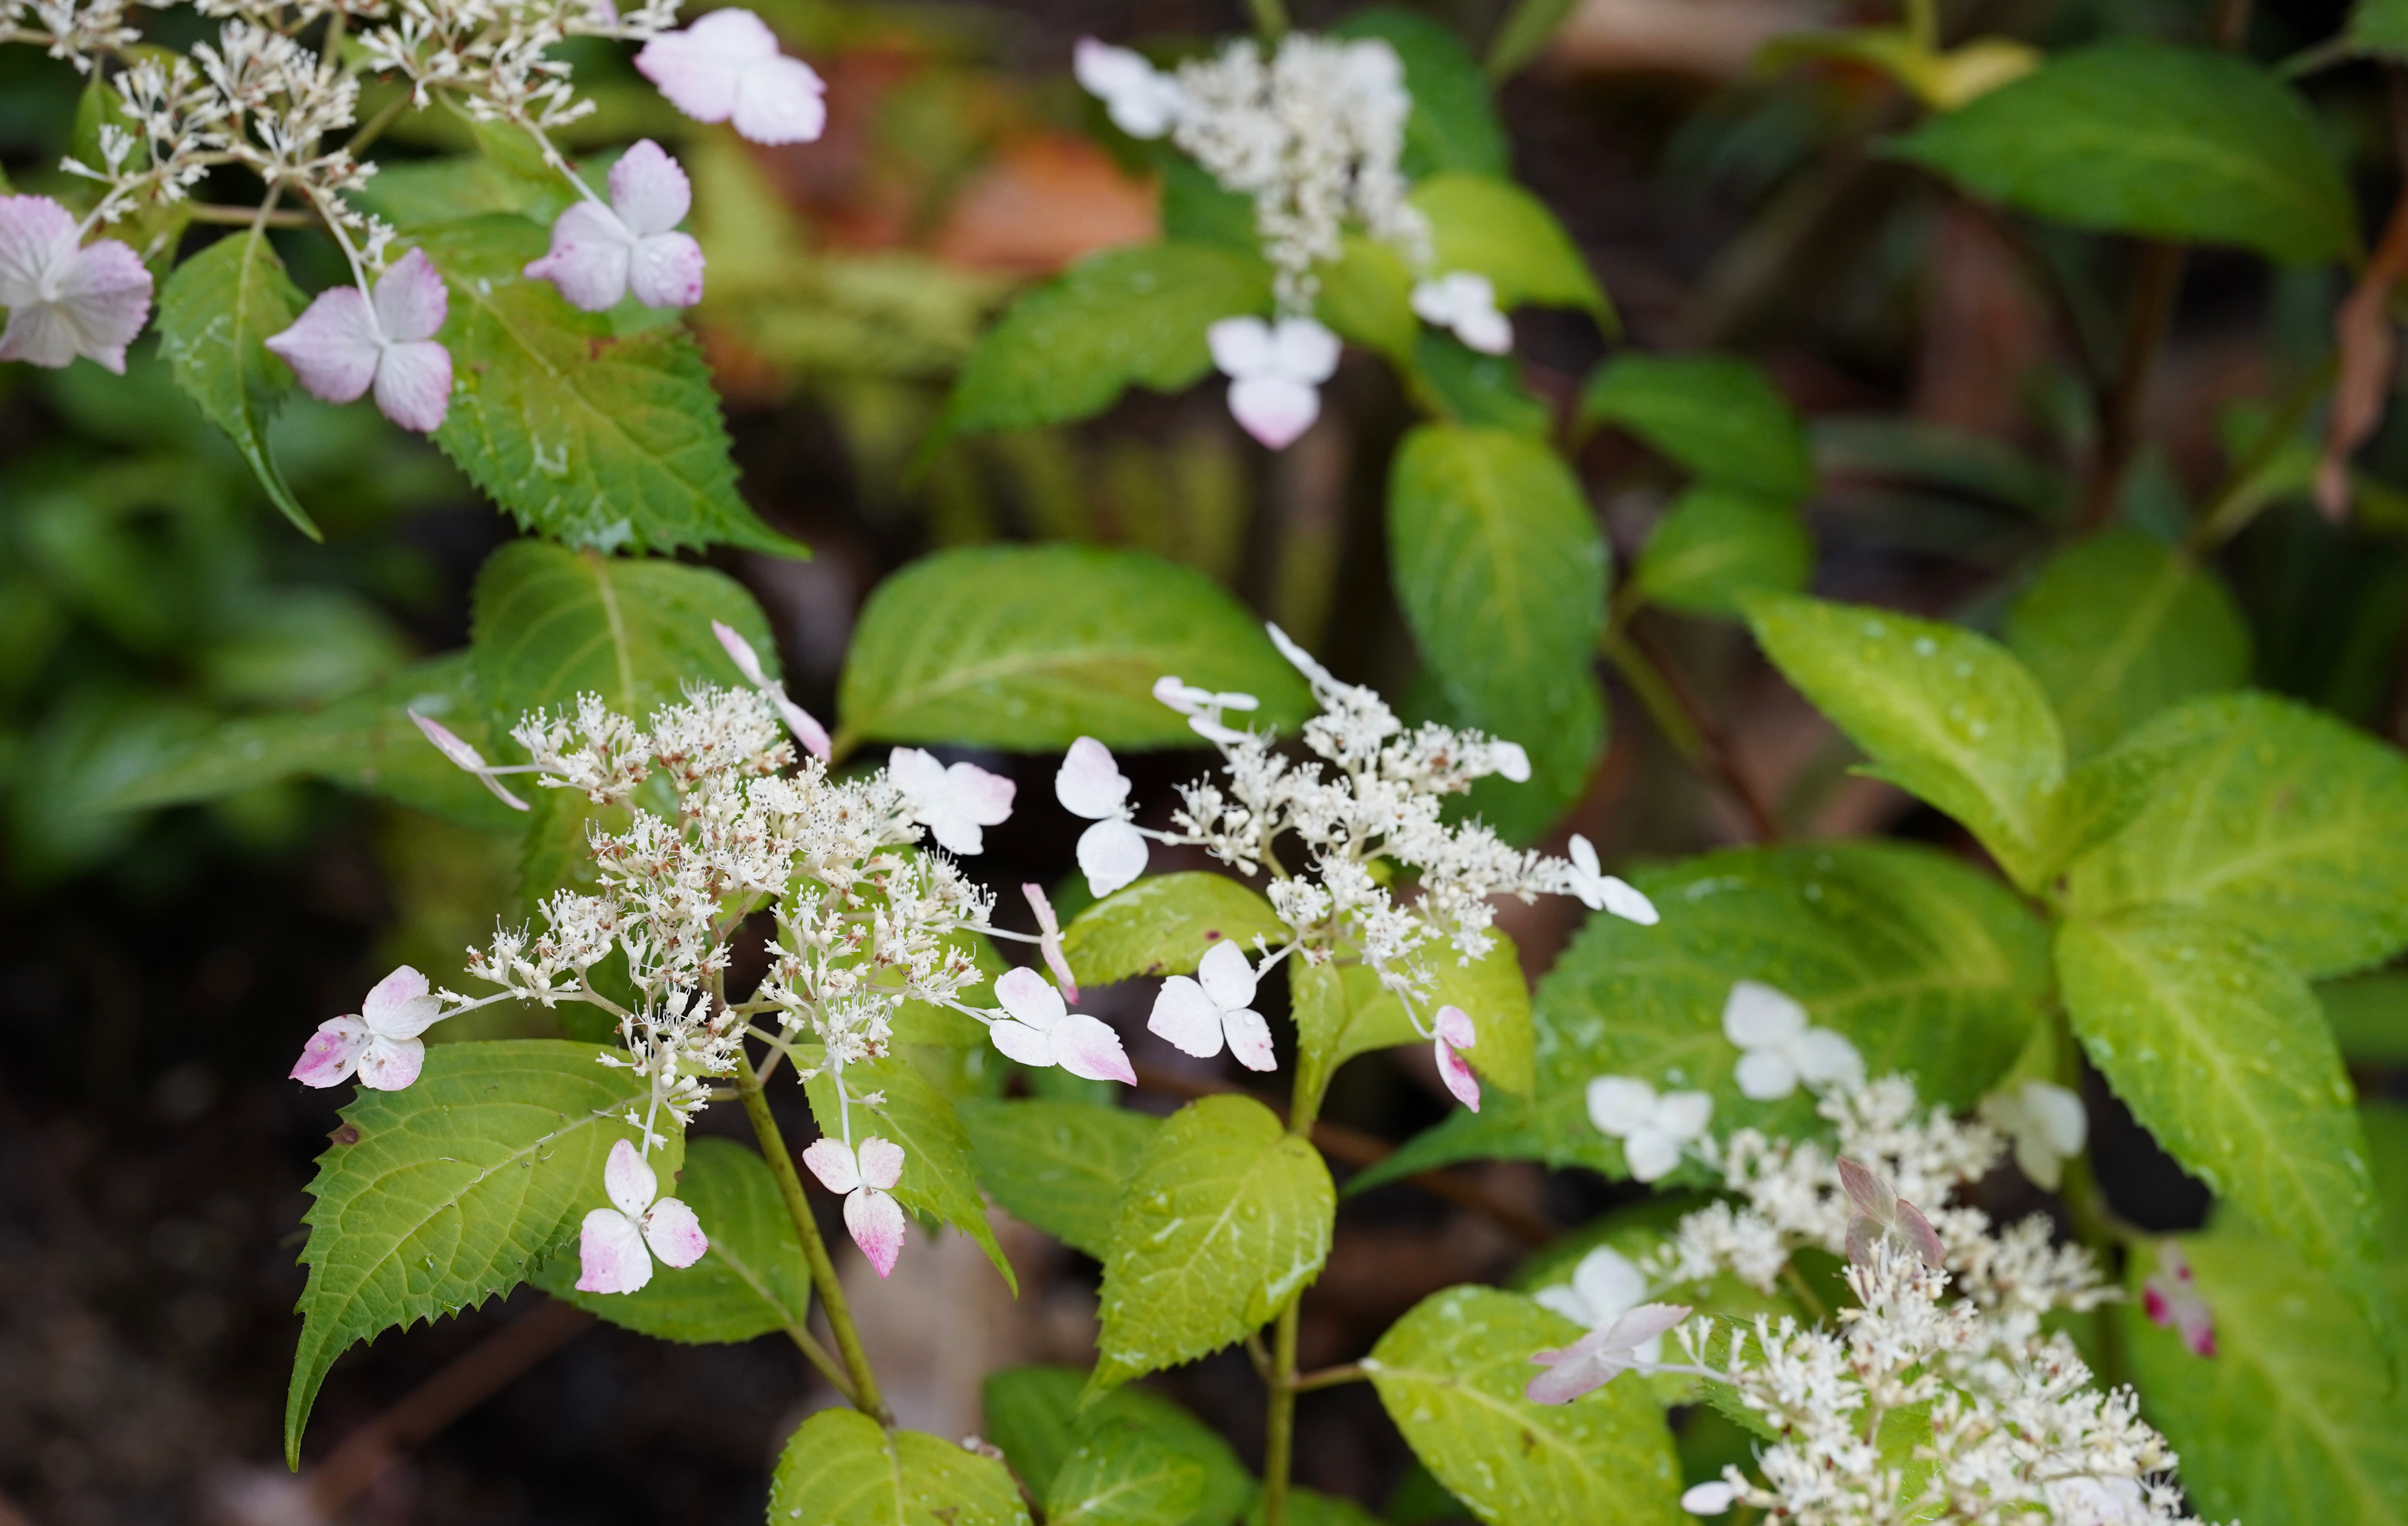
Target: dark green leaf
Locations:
point(1456, 382)
point(1163, 925)
point(1716, 545)
point(1057, 1165)
point(1033, 1414)
point(842, 1468)
point(1716, 416)
point(214, 312)
point(2368, 1016)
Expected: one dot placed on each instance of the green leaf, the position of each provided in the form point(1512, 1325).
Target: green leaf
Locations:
point(1367, 298)
point(599, 440)
point(750, 1282)
point(2223, 1056)
point(938, 1179)
point(1945, 715)
point(550, 623)
point(456, 1186)
point(1226, 1219)
point(417, 194)
point(214, 312)
point(1033, 1413)
point(2138, 137)
point(1197, 211)
point(1716, 547)
point(1124, 318)
point(1454, 125)
point(1931, 968)
point(842, 1468)
point(1163, 926)
point(1452, 1373)
point(2120, 627)
point(1494, 228)
point(2265, 814)
point(1033, 646)
point(2296, 1417)
point(1715, 416)
point(1341, 1010)
point(1452, 382)
point(1120, 1476)
point(1057, 1165)
point(1312, 1507)
point(2368, 1016)
point(2379, 26)
point(1524, 34)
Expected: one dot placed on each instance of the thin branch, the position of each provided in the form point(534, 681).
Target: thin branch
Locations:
point(1328, 1378)
point(2156, 281)
point(248, 217)
point(1685, 722)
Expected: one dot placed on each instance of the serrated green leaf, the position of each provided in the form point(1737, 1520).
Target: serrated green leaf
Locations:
point(1120, 1476)
point(1455, 125)
point(1716, 547)
point(2120, 627)
point(455, 1186)
point(1124, 318)
point(2265, 814)
point(1164, 925)
point(752, 1281)
point(1341, 1010)
point(2368, 1016)
point(1494, 228)
point(1929, 967)
point(1034, 1414)
point(2138, 137)
point(938, 1178)
point(1033, 646)
point(1945, 715)
point(1451, 1374)
point(594, 439)
point(550, 623)
point(214, 312)
point(1716, 416)
point(2223, 1056)
point(2296, 1417)
point(1057, 1165)
point(1228, 1218)
point(842, 1468)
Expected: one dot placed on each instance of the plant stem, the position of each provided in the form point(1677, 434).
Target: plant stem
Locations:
point(374, 128)
point(1685, 722)
point(1271, 20)
point(1279, 1435)
point(1329, 1378)
point(864, 1395)
point(2240, 497)
point(2157, 280)
point(1923, 24)
point(248, 217)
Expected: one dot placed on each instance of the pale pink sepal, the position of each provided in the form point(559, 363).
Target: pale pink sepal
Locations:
point(674, 1235)
point(610, 1254)
point(332, 1053)
point(1089, 783)
point(629, 1179)
point(1088, 1048)
point(598, 253)
point(464, 757)
point(390, 1065)
point(380, 1041)
point(587, 263)
point(1186, 1017)
point(832, 1162)
point(64, 301)
point(805, 726)
point(1600, 1356)
point(1111, 854)
point(876, 1223)
point(1049, 940)
point(1275, 373)
point(332, 346)
point(728, 67)
point(1250, 1039)
point(344, 342)
point(953, 802)
point(1456, 1033)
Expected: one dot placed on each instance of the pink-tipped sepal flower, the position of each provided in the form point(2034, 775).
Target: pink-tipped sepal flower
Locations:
point(1049, 941)
point(65, 299)
point(1454, 1034)
point(951, 803)
point(867, 1182)
point(1089, 783)
point(1600, 1356)
point(380, 1041)
point(1275, 373)
point(600, 253)
point(728, 67)
point(2172, 1298)
point(464, 757)
point(1042, 1032)
point(1217, 1005)
point(1882, 1213)
point(616, 1248)
point(805, 726)
point(347, 342)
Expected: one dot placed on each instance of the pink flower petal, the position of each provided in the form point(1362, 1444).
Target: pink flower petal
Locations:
point(36, 236)
point(450, 744)
point(1185, 1017)
point(1088, 1048)
point(1031, 997)
point(2198, 1329)
point(832, 1162)
point(1110, 854)
point(740, 652)
point(649, 189)
point(1049, 941)
point(629, 1179)
point(1868, 1190)
point(610, 1254)
point(1457, 1074)
point(875, 1222)
point(390, 1065)
point(881, 1164)
point(780, 100)
point(1274, 409)
point(675, 1234)
point(588, 259)
point(1226, 976)
point(985, 798)
point(1303, 350)
point(410, 301)
point(105, 296)
point(332, 1053)
point(38, 333)
point(1250, 1039)
point(1019, 1041)
point(401, 1006)
point(1089, 783)
point(1643, 1324)
point(1454, 1027)
point(805, 726)
point(332, 346)
point(666, 271)
point(413, 385)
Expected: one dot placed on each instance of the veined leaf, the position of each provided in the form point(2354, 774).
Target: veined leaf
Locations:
point(1057, 1165)
point(1945, 714)
point(1033, 1413)
point(1493, 227)
point(455, 1186)
point(1032, 647)
point(214, 312)
point(1164, 925)
point(1452, 1373)
point(842, 1468)
point(1718, 545)
point(1228, 1218)
point(1716, 416)
point(1120, 1476)
point(938, 1179)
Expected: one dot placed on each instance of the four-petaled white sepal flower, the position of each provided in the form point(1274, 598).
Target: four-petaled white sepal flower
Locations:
point(1710, 1498)
point(465, 756)
point(1275, 373)
point(1454, 1032)
point(726, 67)
point(1043, 1031)
point(63, 299)
point(951, 803)
point(1049, 940)
point(2047, 1124)
point(868, 1182)
point(1600, 1356)
point(1880, 1211)
point(1605, 1286)
point(380, 1041)
point(1202, 707)
point(1777, 1046)
point(1089, 783)
point(1141, 100)
point(616, 1247)
point(600, 253)
point(1196, 1015)
point(1654, 1130)
point(805, 726)
point(1601, 892)
point(1466, 304)
point(2172, 1298)
point(347, 341)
